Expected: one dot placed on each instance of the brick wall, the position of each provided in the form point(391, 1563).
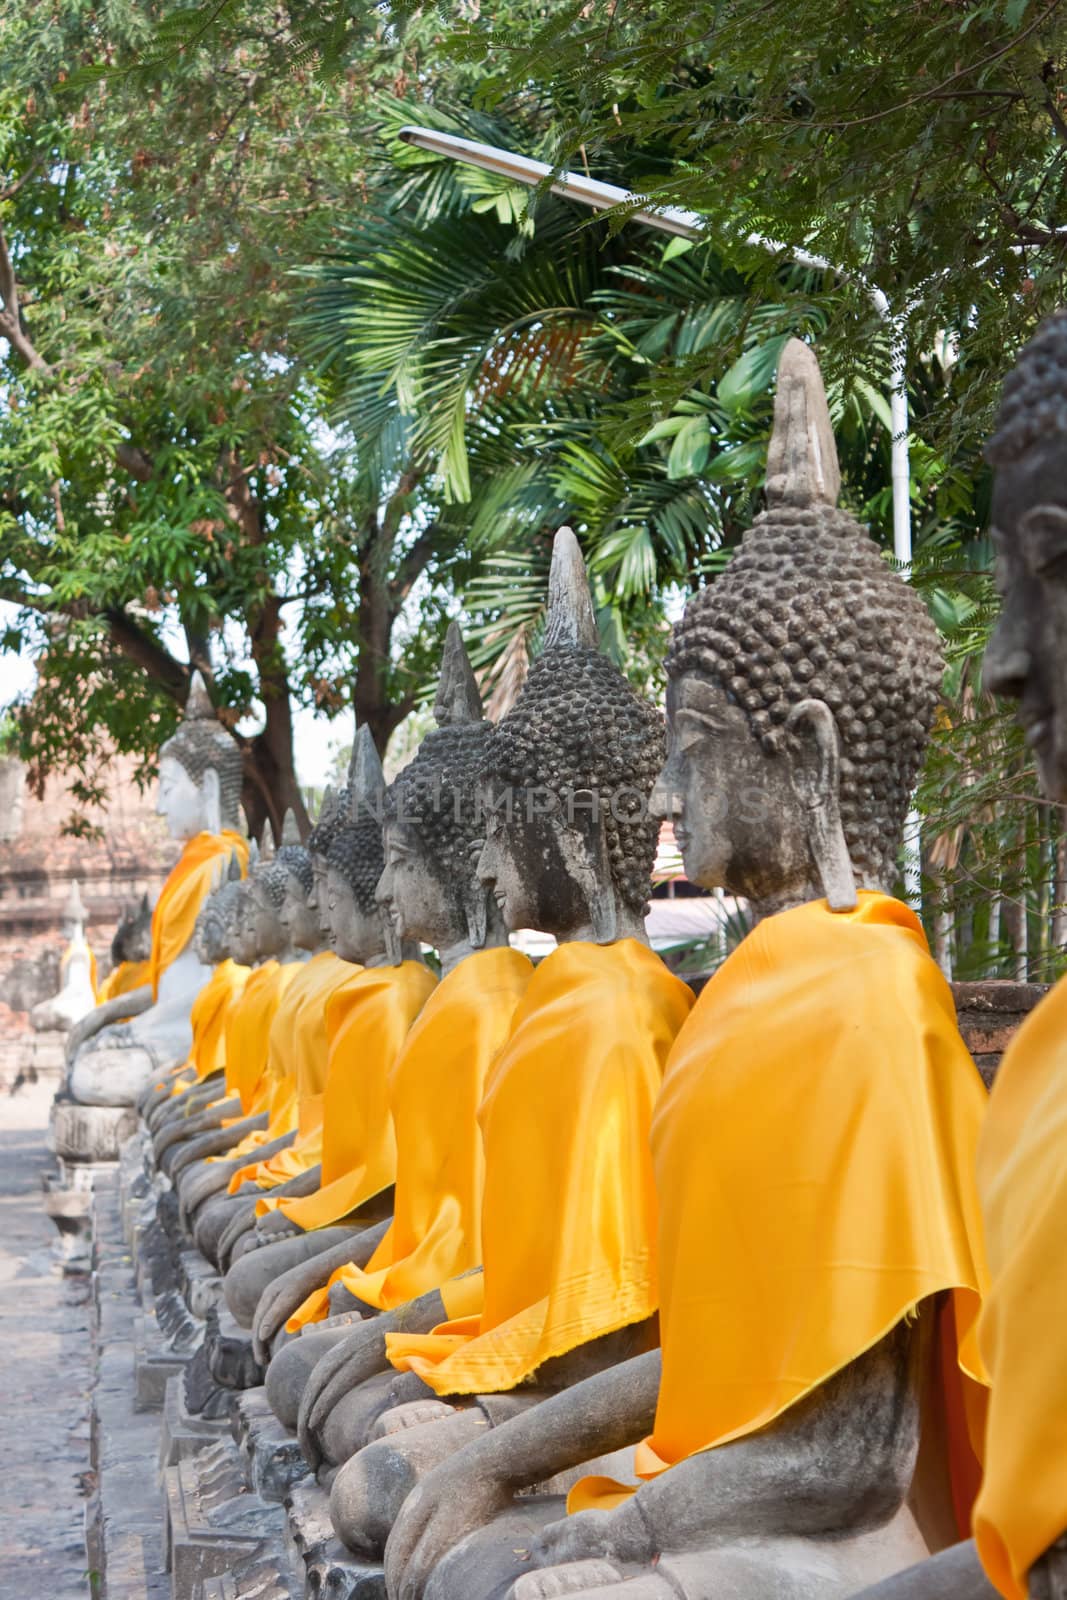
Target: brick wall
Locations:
point(131, 854)
point(989, 1013)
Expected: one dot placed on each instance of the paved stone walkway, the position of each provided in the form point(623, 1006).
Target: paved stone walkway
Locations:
point(44, 1375)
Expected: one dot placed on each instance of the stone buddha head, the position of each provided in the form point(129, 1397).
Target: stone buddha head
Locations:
point(213, 933)
point(569, 842)
point(433, 824)
point(289, 883)
point(1027, 656)
point(214, 926)
point(355, 859)
point(318, 845)
point(132, 939)
point(262, 905)
point(802, 685)
point(200, 771)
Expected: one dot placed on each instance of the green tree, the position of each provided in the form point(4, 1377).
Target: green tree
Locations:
point(170, 494)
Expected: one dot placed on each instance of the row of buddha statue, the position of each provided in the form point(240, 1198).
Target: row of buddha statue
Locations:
point(566, 1283)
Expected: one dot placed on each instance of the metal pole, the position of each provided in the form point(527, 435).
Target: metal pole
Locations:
point(691, 225)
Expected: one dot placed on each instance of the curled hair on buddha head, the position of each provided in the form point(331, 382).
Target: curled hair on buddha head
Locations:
point(216, 914)
point(578, 726)
point(809, 610)
point(200, 743)
point(1033, 402)
point(437, 793)
point(327, 822)
point(291, 859)
point(355, 846)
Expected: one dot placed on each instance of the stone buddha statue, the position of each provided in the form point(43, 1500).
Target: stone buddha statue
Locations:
point(77, 994)
point(431, 891)
point(568, 1285)
point(299, 1045)
point(339, 1172)
point(196, 1082)
point(200, 776)
point(131, 948)
point(1021, 1515)
point(202, 1166)
point(818, 1110)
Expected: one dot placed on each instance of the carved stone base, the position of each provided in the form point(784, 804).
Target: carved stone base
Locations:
point(275, 1462)
point(201, 1283)
point(229, 1351)
point(90, 1133)
point(68, 1200)
point(165, 1336)
point(183, 1433)
point(330, 1571)
point(269, 1576)
point(212, 1520)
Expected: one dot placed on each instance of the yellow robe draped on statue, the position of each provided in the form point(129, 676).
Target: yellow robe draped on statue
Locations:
point(208, 1019)
point(200, 868)
point(814, 1146)
point(569, 1208)
point(435, 1088)
point(367, 1020)
point(305, 1151)
point(297, 1056)
point(247, 1030)
point(124, 979)
point(1022, 1175)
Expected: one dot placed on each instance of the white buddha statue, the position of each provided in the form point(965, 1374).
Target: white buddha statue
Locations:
point(200, 775)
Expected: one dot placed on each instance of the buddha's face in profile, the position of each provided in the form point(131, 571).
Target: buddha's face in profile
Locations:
point(242, 931)
point(179, 800)
point(412, 893)
point(356, 935)
point(737, 820)
point(208, 941)
point(299, 919)
point(267, 932)
point(528, 869)
point(318, 900)
point(1027, 656)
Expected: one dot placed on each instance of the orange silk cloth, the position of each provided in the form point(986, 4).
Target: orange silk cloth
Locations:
point(435, 1088)
point(208, 1018)
point(297, 1053)
point(814, 1147)
point(124, 979)
point(1022, 1176)
point(247, 1031)
point(200, 868)
point(569, 1213)
point(367, 1021)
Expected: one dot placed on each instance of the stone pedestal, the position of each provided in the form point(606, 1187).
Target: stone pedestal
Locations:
point(90, 1133)
point(212, 1520)
point(274, 1460)
point(331, 1572)
point(183, 1433)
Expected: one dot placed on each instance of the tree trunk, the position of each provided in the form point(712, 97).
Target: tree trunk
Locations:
point(995, 904)
point(943, 940)
point(1059, 908)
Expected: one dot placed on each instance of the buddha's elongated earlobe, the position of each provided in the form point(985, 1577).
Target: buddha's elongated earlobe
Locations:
point(585, 852)
point(815, 776)
point(209, 788)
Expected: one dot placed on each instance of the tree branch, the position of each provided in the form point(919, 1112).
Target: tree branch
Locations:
point(132, 459)
point(148, 654)
point(411, 567)
point(11, 325)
